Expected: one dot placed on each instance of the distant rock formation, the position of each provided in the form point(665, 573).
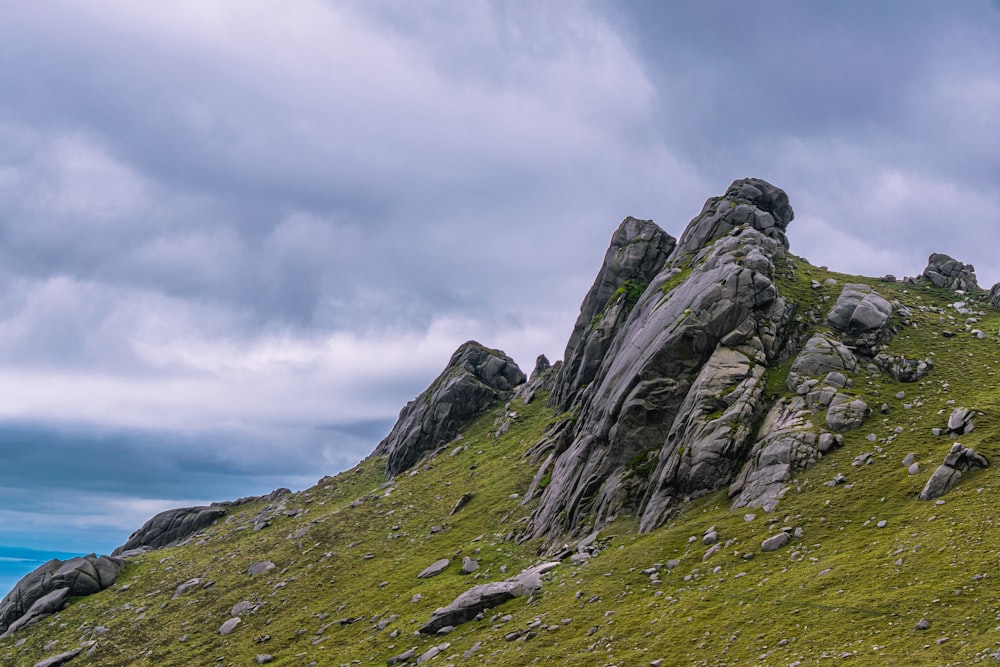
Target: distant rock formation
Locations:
point(475, 379)
point(46, 590)
point(169, 528)
point(945, 271)
point(637, 252)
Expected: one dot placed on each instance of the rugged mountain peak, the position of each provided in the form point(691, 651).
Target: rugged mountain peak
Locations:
point(475, 378)
point(945, 271)
point(750, 202)
point(638, 250)
point(697, 342)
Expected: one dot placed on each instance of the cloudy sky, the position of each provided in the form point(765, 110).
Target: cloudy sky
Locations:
point(236, 236)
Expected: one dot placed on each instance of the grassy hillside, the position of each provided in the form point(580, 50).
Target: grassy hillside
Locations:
point(344, 588)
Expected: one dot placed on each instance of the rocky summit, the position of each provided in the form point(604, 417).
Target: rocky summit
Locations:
point(741, 458)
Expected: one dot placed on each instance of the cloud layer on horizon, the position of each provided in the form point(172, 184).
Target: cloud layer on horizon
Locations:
point(236, 238)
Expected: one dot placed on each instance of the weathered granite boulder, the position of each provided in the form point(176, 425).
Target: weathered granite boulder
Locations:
point(169, 528)
point(682, 379)
point(45, 590)
point(638, 250)
point(475, 379)
point(959, 460)
point(60, 659)
point(846, 413)
point(486, 596)
point(862, 316)
point(820, 356)
point(944, 271)
point(961, 421)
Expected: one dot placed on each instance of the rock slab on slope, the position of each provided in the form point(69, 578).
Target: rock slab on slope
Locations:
point(466, 606)
point(169, 528)
point(45, 590)
point(475, 379)
point(959, 460)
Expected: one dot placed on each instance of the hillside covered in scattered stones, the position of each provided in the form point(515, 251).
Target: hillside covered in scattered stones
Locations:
point(740, 459)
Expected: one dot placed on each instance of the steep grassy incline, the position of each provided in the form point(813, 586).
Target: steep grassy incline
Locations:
point(344, 588)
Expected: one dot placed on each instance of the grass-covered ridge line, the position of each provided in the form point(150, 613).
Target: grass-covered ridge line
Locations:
point(846, 588)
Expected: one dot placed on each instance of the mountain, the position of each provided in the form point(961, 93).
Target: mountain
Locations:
point(741, 459)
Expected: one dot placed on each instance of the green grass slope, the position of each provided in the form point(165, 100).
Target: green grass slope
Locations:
point(344, 588)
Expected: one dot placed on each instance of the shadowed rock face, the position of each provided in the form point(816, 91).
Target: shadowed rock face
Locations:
point(46, 590)
point(682, 378)
point(170, 527)
point(638, 251)
point(475, 379)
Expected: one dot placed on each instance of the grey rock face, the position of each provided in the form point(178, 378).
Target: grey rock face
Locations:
point(682, 378)
point(786, 444)
point(862, 315)
point(45, 590)
point(846, 414)
point(959, 460)
point(475, 379)
point(169, 528)
point(58, 660)
point(638, 250)
point(750, 202)
point(485, 596)
point(944, 271)
point(543, 378)
point(819, 357)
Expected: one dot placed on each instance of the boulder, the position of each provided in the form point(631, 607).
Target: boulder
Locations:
point(862, 316)
point(959, 460)
point(45, 590)
point(638, 250)
point(846, 414)
point(994, 297)
point(944, 271)
point(775, 542)
point(169, 528)
point(960, 421)
point(434, 569)
point(475, 379)
point(820, 356)
point(485, 596)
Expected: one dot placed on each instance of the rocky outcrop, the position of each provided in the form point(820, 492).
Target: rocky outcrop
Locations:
point(820, 356)
point(475, 379)
point(637, 252)
point(681, 382)
point(469, 604)
point(944, 271)
point(994, 296)
point(748, 202)
point(169, 528)
point(959, 460)
point(542, 378)
point(861, 315)
point(45, 591)
point(903, 369)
